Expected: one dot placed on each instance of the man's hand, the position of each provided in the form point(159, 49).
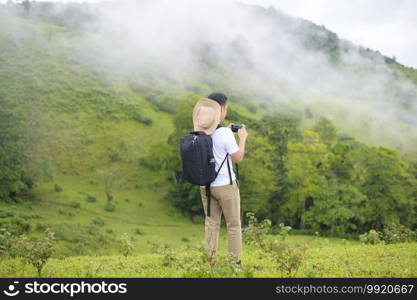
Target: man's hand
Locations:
point(238, 155)
point(242, 133)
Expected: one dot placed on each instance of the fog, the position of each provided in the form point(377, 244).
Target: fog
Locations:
point(261, 53)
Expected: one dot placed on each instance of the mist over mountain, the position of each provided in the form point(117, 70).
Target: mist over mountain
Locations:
point(257, 55)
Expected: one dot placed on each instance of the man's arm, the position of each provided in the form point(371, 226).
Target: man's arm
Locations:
point(238, 155)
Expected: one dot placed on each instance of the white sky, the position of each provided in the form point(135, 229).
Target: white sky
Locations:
point(389, 26)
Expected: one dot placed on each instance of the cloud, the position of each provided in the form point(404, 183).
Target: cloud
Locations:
point(383, 25)
point(255, 52)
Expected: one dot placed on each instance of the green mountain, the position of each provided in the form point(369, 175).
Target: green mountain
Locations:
point(88, 134)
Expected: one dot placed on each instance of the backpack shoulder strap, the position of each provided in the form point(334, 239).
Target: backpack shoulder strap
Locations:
point(208, 196)
point(228, 169)
point(228, 165)
point(198, 132)
point(221, 165)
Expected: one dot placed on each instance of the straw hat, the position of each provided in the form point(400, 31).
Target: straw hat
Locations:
point(206, 115)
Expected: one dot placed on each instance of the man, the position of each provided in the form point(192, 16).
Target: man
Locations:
point(225, 197)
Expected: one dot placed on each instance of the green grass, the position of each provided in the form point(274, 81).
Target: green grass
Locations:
point(323, 259)
point(143, 210)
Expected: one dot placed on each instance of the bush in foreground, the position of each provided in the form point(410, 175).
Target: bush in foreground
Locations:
point(36, 251)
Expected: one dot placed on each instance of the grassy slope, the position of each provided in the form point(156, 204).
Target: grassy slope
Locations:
point(80, 140)
point(87, 121)
point(81, 134)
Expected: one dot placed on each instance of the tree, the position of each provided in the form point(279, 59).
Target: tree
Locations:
point(342, 166)
point(37, 251)
point(111, 177)
point(12, 150)
point(411, 218)
point(257, 176)
point(307, 163)
point(279, 129)
point(337, 208)
point(326, 130)
point(382, 176)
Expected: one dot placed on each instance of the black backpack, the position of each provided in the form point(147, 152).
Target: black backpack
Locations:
point(198, 164)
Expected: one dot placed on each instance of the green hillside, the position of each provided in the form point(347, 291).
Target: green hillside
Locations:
point(84, 136)
point(77, 132)
point(82, 124)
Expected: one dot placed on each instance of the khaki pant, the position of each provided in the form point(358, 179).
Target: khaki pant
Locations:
point(226, 199)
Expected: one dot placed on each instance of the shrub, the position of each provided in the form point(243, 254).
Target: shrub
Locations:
point(75, 204)
point(80, 239)
point(157, 246)
point(288, 258)
point(21, 223)
point(98, 222)
point(126, 246)
point(6, 213)
point(143, 163)
point(109, 230)
point(110, 207)
point(163, 103)
point(281, 230)
point(58, 188)
point(168, 255)
point(397, 233)
point(139, 231)
point(392, 233)
point(255, 233)
point(37, 251)
point(114, 156)
point(91, 198)
point(28, 215)
point(41, 227)
point(139, 117)
point(200, 265)
point(372, 237)
point(6, 242)
point(185, 239)
point(15, 226)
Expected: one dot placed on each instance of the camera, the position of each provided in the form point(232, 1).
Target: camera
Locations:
point(236, 127)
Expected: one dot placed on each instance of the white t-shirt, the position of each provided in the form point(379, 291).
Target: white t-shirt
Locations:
point(223, 142)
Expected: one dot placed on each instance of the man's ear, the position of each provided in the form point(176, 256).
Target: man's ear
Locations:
point(224, 108)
